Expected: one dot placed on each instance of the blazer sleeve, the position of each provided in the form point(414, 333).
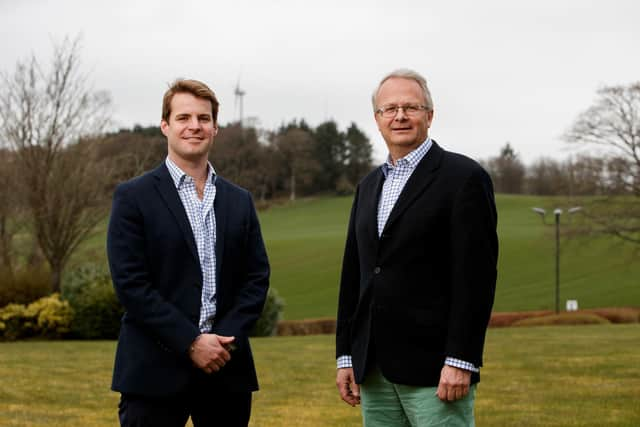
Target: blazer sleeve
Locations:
point(130, 272)
point(252, 289)
point(474, 255)
point(349, 286)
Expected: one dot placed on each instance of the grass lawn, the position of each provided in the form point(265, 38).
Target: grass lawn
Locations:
point(538, 376)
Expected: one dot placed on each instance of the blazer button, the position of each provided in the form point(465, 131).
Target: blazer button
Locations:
point(376, 270)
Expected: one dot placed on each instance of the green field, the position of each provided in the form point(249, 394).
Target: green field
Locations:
point(538, 377)
point(305, 243)
point(305, 240)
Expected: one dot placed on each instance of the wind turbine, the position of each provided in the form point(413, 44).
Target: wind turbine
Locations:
point(239, 94)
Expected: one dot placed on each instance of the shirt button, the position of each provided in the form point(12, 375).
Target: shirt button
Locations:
point(376, 270)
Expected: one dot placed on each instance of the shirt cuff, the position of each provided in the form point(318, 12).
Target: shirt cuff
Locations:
point(344, 362)
point(457, 363)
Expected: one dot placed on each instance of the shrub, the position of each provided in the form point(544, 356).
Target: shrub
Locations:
point(97, 310)
point(613, 314)
point(618, 314)
point(48, 317)
point(501, 319)
point(267, 324)
point(563, 319)
point(24, 286)
point(11, 320)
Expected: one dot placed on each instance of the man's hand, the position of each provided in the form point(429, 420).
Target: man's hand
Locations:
point(454, 383)
point(346, 383)
point(209, 352)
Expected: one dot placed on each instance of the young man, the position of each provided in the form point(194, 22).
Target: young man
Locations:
point(419, 273)
point(189, 265)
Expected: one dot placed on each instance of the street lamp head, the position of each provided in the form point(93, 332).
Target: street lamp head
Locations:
point(574, 209)
point(557, 211)
point(539, 211)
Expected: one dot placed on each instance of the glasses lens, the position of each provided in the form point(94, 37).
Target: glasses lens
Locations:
point(392, 110)
point(389, 111)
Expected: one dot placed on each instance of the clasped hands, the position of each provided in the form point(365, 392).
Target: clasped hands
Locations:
point(210, 352)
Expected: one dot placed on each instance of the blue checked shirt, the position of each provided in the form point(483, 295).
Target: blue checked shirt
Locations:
point(202, 219)
point(396, 176)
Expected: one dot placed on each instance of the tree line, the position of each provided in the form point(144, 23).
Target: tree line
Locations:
point(578, 175)
point(58, 193)
point(292, 161)
point(58, 165)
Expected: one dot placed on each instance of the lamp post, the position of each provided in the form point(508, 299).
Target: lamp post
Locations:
point(557, 212)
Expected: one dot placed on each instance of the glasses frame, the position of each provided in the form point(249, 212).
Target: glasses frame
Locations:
point(390, 111)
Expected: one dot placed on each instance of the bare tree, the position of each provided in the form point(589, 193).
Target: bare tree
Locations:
point(295, 152)
point(44, 112)
point(586, 175)
point(613, 121)
point(238, 155)
point(547, 177)
point(8, 210)
point(132, 152)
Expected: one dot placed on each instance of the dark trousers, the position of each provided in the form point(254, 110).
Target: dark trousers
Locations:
point(207, 409)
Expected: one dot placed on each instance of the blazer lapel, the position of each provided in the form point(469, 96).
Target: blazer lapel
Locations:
point(220, 210)
point(419, 181)
point(167, 189)
point(371, 197)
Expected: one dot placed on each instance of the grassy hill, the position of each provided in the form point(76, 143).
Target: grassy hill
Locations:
point(305, 241)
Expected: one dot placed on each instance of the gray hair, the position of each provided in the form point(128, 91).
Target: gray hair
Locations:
point(405, 73)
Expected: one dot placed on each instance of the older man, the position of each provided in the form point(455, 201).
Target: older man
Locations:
point(419, 272)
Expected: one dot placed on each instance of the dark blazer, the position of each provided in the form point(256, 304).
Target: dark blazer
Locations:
point(423, 290)
point(156, 274)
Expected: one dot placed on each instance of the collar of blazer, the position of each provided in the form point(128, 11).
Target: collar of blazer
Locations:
point(418, 182)
point(167, 190)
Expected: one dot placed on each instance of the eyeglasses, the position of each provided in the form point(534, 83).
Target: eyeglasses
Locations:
point(409, 109)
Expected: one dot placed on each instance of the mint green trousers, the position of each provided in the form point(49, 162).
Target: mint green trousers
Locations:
point(385, 404)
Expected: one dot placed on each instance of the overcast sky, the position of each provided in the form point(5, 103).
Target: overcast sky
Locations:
point(498, 70)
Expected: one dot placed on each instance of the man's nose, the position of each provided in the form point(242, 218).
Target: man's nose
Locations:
point(400, 114)
point(194, 123)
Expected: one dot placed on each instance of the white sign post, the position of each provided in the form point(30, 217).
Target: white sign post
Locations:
point(572, 305)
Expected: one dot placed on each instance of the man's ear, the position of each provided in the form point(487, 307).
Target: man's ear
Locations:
point(215, 129)
point(429, 118)
point(164, 127)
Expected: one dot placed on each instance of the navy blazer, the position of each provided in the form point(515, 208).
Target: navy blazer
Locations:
point(424, 289)
point(157, 276)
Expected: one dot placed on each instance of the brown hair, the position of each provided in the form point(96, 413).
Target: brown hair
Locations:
point(195, 88)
